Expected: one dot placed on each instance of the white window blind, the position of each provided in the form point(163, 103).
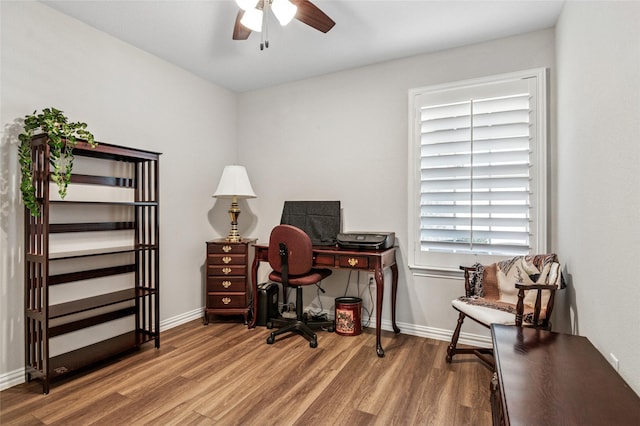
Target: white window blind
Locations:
point(476, 172)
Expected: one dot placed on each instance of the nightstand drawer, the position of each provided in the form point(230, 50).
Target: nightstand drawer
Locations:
point(222, 284)
point(226, 300)
point(222, 248)
point(226, 270)
point(226, 259)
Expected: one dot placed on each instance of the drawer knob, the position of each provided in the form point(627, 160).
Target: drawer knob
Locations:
point(226, 270)
point(226, 249)
point(226, 284)
point(352, 261)
point(226, 259)
point(226, 300)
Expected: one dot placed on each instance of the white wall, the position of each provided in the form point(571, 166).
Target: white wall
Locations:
point(343, 137)
point(129, 98)
point(598, 194)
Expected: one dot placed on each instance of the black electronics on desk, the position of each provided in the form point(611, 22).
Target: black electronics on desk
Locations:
point(319, 219)
point(367, 240)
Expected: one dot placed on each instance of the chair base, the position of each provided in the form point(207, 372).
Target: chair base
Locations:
point(301, 327)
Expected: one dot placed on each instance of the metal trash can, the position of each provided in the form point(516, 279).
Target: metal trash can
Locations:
point(348, 316)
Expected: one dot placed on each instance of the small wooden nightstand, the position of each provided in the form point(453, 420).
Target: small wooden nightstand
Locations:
point(227, 278)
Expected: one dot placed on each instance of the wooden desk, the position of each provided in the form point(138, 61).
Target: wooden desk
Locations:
point(556, 379)
point(375, 261)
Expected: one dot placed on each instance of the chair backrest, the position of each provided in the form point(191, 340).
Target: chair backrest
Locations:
point(299, 249)
point(499, 279)
point(537, 278)
point(538, 269)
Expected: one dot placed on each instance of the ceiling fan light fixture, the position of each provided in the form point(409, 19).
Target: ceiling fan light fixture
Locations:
point(247, 4)
point(252, 19)
point(284, 11)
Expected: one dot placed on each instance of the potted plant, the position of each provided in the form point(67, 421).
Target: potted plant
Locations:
point(62, 138)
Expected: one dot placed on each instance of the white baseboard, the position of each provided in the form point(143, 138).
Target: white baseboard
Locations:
point(476, 340)
point(436, 333)
point(12, 378)
point(17, 377)
point(181, 319)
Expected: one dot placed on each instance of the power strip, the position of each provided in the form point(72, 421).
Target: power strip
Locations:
point(289, 315)
point(289, 311)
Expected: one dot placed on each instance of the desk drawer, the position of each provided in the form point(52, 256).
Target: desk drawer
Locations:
point(224, 270)
point(324, 259)
point(226, 300)
point(355, 262)
point(226, 259)
point(222, 284)
point(231, 248)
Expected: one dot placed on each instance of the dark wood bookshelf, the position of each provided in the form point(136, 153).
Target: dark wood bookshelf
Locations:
point(140, 174)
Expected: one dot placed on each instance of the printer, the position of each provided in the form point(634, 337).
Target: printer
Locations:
point(367, 240)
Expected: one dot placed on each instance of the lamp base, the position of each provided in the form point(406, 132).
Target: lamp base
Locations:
point(233, 238)
point(234, 212)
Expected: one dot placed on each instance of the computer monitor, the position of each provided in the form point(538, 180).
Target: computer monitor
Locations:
point(319, 219)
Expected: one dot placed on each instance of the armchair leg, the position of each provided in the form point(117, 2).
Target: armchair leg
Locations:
point(451, 349)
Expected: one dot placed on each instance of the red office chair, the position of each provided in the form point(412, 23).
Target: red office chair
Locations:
point(291, 258)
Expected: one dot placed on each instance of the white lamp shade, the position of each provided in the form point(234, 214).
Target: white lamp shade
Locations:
point(284, 11)
point(252, 19)
point(246, 4)
point(234, 183)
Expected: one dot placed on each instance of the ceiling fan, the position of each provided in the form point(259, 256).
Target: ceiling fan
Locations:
point(253, 14)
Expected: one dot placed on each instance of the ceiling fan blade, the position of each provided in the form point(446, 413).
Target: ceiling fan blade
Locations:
point(240, 32)
point(312, 16)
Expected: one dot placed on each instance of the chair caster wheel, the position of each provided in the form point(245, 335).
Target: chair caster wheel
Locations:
point(313, 344)
point(331, 329)
point(270, 340)
point(269, 325)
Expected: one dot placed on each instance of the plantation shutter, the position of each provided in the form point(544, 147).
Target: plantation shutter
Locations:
point(475, 169)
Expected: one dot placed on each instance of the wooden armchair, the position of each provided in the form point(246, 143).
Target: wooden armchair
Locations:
point(518, 291)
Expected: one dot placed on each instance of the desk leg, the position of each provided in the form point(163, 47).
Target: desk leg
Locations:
point(394, 294)
point(379, 274)
point(254, 289)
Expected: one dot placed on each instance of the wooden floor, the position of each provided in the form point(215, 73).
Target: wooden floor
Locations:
point(225, 374)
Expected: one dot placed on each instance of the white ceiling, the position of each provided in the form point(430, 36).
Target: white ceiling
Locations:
point(196, 34)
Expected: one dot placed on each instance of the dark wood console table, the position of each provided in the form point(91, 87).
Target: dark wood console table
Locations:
point(375, 261)
point(556, 379)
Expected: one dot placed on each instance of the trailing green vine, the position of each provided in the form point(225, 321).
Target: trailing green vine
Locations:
point(62, 138)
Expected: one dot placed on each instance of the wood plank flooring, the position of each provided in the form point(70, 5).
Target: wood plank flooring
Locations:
point(225, 374)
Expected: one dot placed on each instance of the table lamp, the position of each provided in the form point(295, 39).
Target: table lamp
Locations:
point(234, 184)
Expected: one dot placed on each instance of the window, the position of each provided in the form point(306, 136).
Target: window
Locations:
point(477, 170)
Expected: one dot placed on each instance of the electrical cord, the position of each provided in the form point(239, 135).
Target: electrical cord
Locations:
point(368, 312)
point(318, 314)
point(364, 308)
